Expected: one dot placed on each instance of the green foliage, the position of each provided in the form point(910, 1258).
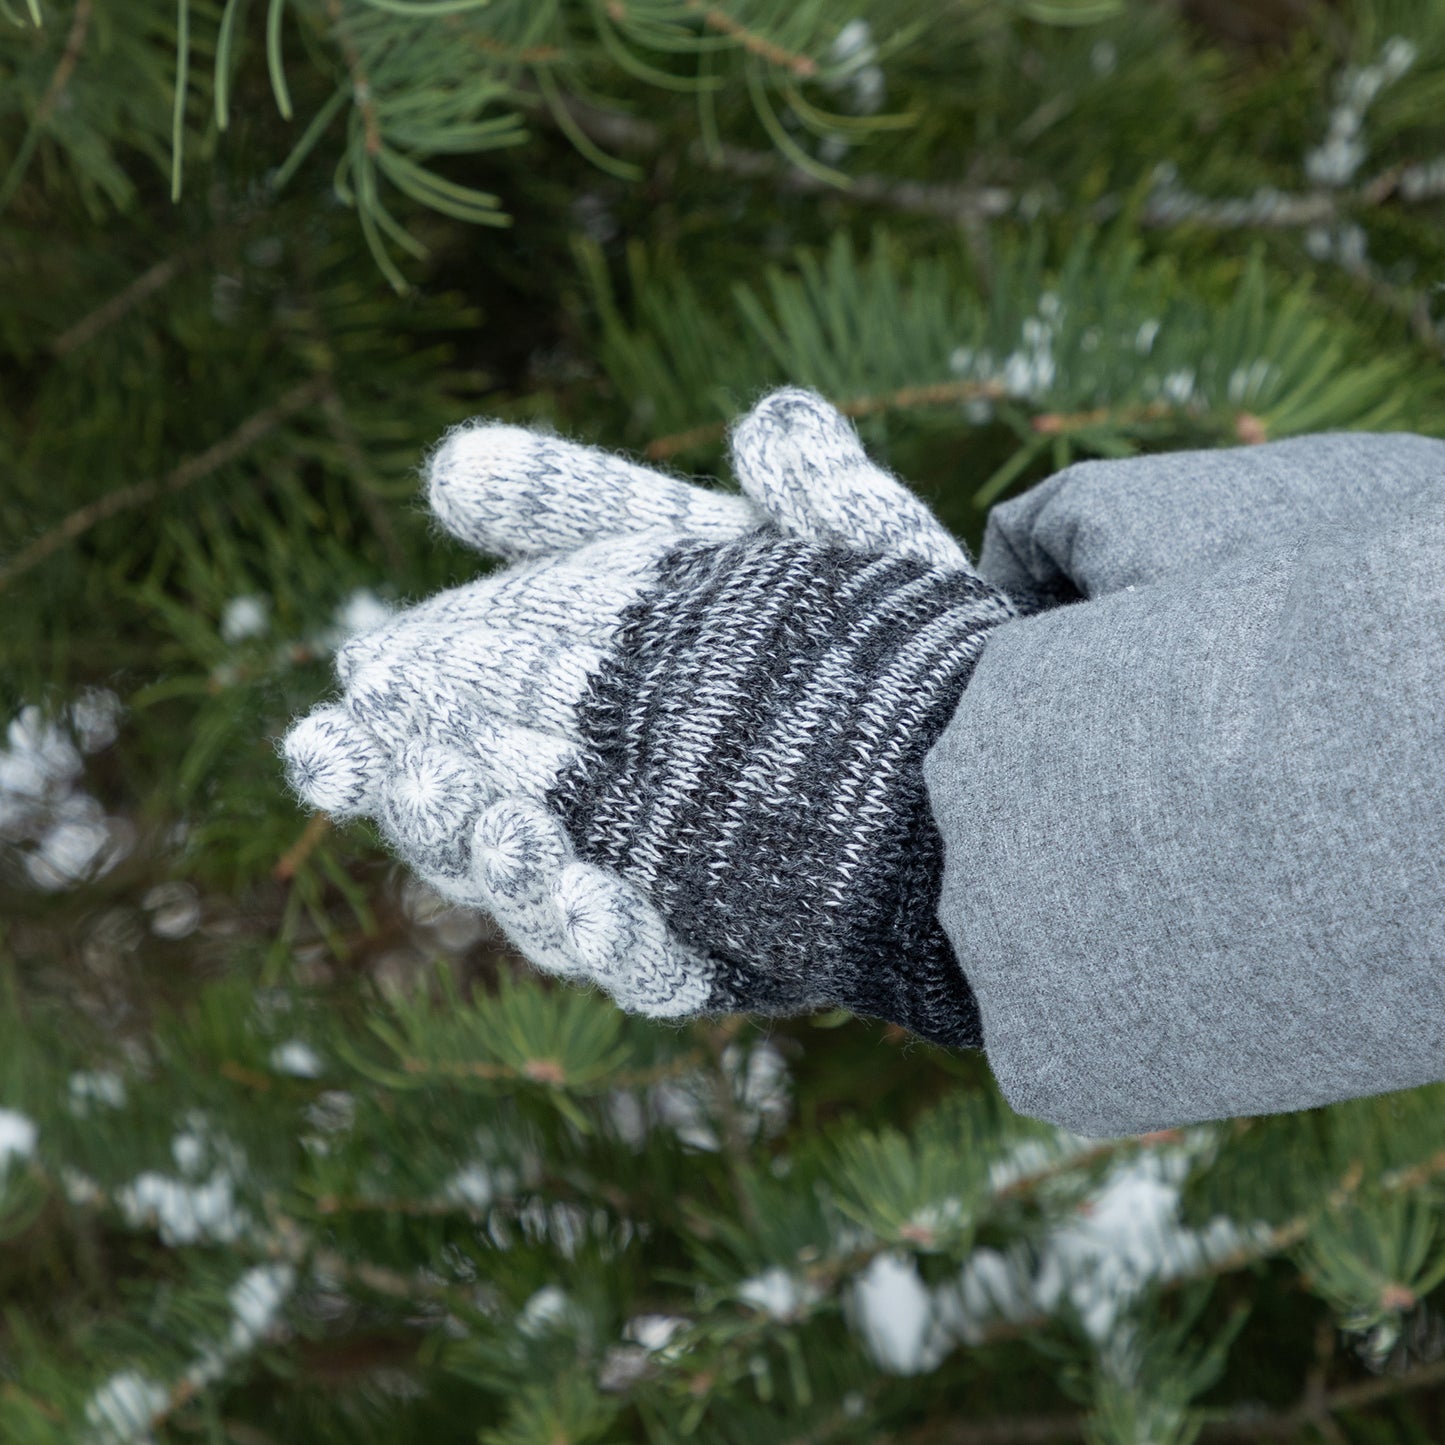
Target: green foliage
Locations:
point(421, 79)
point(290, 1151)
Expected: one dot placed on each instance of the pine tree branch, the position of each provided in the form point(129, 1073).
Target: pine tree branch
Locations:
point(515, 54)
point(107, 314)
point(943, 393)
point(716, 18)
point(949, 202)
point(69, 59)
point(360, 83)
point(191, 471)
point(290, 862)
point(411, 1208)
point(1246, 1422)
point(1053, 423)
point(59, 80)
point(1247, 427)
point(546, 1070)
point(965, 204)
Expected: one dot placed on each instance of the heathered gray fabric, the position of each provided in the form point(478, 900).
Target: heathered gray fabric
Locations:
point(1195, 832)
point(1099, 527)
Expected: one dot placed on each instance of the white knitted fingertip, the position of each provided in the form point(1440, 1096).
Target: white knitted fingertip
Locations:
point(801, 461)
point(518, 851)
point(627, 945)
point(514, 492)
point(429, 803)
point(334, 764)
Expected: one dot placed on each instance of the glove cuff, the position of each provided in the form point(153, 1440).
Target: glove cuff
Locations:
point(752, 761)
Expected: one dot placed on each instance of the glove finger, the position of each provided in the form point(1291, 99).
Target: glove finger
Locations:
point(518, 849)
point(440, 690)
point(519, 903)
point(333, 763)
point(521, 646)
point(586, 921)
point(628, 946)
point(801, 461)
point(430, 800)
point(512, 492)
point(504, 757)
point(579, 594)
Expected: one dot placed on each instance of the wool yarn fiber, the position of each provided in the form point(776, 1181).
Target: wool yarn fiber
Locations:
point(676, 747)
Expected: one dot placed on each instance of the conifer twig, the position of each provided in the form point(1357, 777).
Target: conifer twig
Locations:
point(1053, 423)
point(941, 393)
point(969, 205)
point(190, 471)
point(69, 59)
point(154, 279)
point(480, 1069)
point(360, 81)
point(65, 68)
point(716, 18)
point(286, 866)
point(1247, 1422)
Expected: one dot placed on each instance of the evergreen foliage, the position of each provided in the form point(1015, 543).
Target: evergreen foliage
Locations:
point(291, 1152)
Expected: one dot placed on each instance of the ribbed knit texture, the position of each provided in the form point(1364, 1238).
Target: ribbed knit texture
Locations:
point(752, 761)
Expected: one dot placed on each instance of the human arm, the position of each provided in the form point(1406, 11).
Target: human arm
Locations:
point(1195, 831)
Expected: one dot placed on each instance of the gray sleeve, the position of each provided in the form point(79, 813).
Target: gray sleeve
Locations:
point(1195, 832)
point(1098, 527)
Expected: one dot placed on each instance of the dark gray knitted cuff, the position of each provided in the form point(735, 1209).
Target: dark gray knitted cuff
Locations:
point(753, 760)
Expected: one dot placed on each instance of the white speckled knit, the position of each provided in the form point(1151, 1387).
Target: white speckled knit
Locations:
point(677, 748)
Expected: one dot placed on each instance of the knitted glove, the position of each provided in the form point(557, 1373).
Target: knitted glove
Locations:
point(677, 750)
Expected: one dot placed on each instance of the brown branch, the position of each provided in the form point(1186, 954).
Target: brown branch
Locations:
point(146, 284)
point(521, 55)
point(1241, 1423)
point(1016, 1430)
point(490, 46)
point(1054, 423)
point(718, 19)
point(247, 1077)
point(1314, 1398)
point(59, 80)
point(1412, 1178)
point(11, 1391)
point(971, 205)
point(943, 393)
point(193, 470)
point(329, 1204)
point(69, 59)
point(546, 1071)
point(360, 82)
point(290, 861)
point(949, 202)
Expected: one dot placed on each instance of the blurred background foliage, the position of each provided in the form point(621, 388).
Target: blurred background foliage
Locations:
point(289, 1151)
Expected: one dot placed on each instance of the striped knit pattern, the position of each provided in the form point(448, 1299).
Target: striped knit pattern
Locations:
point(675, 749)
point(751, 760)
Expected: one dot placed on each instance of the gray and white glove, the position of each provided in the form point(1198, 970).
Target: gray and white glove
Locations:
point(677, 749)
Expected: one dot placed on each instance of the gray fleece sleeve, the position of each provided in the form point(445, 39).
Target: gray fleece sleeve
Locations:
point(1194, 825)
